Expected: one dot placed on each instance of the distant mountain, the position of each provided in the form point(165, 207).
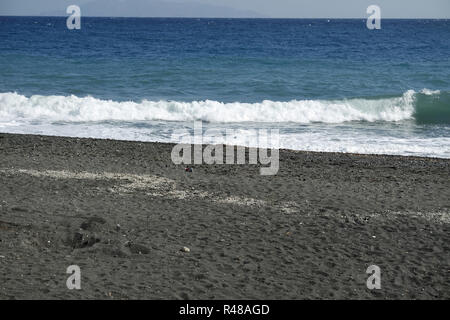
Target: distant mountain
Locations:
point(149, 8)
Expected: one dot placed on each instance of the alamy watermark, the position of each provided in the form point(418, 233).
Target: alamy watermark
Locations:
point(74, 20)
point(265, 144)
point(374, 20)
point(374, 280)
point(74, 280)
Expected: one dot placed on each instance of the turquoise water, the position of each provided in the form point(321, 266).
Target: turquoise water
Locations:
point(326, 85)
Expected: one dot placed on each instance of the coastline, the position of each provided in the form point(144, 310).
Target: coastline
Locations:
point(123, 212)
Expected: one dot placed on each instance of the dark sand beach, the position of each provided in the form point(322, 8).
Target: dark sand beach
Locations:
point(123, 212)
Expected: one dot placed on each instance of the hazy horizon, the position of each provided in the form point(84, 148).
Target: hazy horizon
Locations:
point(300, 9)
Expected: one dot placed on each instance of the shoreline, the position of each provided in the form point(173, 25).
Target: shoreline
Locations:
point(236, 145)
point(123, 212)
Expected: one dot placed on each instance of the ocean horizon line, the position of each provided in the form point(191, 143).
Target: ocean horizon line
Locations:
point(220, 18)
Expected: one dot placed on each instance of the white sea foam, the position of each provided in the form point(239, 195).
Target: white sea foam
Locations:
point(429, 92)
point(16, 107)
point(320, 137)
point(78, 117)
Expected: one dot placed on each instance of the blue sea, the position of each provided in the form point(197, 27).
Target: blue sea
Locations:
point(326, 85)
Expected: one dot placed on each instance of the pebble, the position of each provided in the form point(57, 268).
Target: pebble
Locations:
point(185, 249)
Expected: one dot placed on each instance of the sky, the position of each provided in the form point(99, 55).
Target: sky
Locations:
point(233, 8)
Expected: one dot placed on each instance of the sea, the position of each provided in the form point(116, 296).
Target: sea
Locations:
point(323, 84)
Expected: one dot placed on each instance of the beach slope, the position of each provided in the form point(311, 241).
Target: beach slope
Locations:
point(141, 227)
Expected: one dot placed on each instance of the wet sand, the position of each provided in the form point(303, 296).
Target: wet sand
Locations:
point(123, 212)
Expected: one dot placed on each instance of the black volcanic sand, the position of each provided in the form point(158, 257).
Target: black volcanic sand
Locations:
point(123, 212)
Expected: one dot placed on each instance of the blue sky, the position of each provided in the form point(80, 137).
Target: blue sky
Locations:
point(234, 8)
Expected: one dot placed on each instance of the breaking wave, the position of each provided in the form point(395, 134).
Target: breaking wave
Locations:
point(425, 107)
